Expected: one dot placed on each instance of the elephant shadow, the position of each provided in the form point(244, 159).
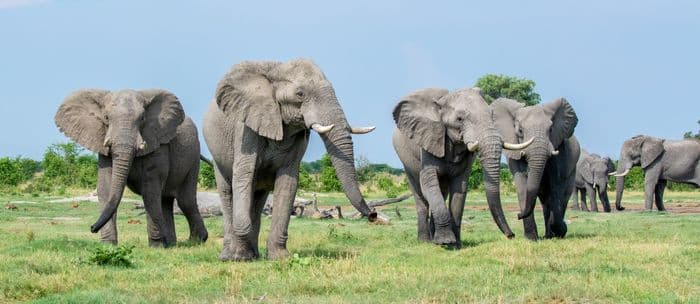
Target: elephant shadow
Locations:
point(581, 235)
point(326, 252)
point(472, 243)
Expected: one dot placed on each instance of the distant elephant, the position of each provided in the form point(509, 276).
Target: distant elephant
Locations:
point(257, 129)
point(662, 160)
point(547, 168)
point(438, 136)
point(592, 175)
point(143, 140)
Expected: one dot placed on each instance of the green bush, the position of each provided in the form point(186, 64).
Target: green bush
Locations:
point(476, 177)
point(66, 165)
point(14, 171)
point(305, 180)
point(206, 177)
point(329, 180)
point(112, 256)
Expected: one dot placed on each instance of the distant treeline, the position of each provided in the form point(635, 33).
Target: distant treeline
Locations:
point(67, 165)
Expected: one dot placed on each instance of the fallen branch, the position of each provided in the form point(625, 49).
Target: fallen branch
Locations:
point(388, 201)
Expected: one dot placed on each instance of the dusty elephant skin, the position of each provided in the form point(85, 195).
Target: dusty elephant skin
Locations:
point(144, 141)
point(257, 130)
point(592, 178)
point(662, 161)
point(438, 136)
point(547, 168)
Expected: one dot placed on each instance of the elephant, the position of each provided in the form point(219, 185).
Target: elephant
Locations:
point(144, 141)
point(592, 175)
point(662, 160)
point(437, 138)
point(257, 129)
point(545, 169)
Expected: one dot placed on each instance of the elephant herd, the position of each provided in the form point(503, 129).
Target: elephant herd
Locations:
point(257, 129)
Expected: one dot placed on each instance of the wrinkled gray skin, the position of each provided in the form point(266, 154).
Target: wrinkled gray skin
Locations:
point(257, 130)
point(144, 141)
point(592, 178)
point(662, 160)
point(433, 129)
point(547, 168)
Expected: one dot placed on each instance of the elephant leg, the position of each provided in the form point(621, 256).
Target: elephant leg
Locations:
point(108, 233)
point(223, 186)
point(422, 211)
point(529, 224)
point(156, 224)
point(604, 199)
point(187, 201)
point(575, 198)
point(458, 195)
point(433, 191)
point(659, 195)
point(169, 220)
point(650, 182)
point(545, 199)
point(591, 196)
point(259, 199)
point(243, 170)
point(286, 183)
point(584, 207)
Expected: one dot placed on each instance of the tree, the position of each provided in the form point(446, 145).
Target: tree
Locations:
point(305, 180)
point(494, 86)
point(690, 134)
point(206, 178)
point(329, 180)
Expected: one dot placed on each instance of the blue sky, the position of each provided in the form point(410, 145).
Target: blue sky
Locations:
point(614, 60)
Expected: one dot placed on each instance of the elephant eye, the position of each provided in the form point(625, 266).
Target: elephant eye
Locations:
point(300, 94)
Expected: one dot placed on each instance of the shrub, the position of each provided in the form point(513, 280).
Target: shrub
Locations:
point(14, 171)
point(112, 255)
point(329, 180)
point(206, 177)
point(305, 181)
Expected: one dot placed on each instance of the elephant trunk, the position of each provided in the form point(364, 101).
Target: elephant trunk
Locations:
point(624, 167)
point(490, 155)
point(122, 157)
point(537, 156)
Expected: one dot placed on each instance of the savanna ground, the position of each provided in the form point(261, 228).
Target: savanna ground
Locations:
point(621, 257)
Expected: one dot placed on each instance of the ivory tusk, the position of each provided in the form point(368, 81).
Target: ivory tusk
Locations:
point(555, 152)
point(522, 153)
point(520, 146)
point(623, 173)
point(362, 130)
point(107, 142)
point(321, 129)
point(473, 146)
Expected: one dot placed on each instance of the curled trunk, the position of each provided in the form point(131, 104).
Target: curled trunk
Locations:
point(122, 157)
point(490, 154)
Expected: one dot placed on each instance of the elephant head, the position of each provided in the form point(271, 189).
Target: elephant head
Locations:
point(121, 125)
point(595, 170)
point(440, 122)
point(546, 125)
point(637, 151)
point(272, 98)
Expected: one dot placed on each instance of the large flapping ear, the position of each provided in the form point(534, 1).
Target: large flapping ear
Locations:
point(246, 92)
point(81, 118)
point(163, 114)
point(564, 120)
point(585, 169)
point(651, 149)
point(504, 110)
point(418, 117)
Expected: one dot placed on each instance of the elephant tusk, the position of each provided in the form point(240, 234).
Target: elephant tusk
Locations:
point(473, 146)
point(321, 129)
point(107, 142)
point(623, 173)
point(362, 130)
point(555, 152)
point(612, 173)
point(522, 153)
point(594, 185)
point(521, 146)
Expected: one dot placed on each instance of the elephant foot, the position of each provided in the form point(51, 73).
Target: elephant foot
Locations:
point(444, 236)
point(558, 230)
point(200, 237)
point(238, 254)
point(161, 243)
point(109, 241)
point(620, 208)
point(277, 253)
point(531, 236)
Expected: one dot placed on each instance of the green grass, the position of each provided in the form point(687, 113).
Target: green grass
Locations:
point(624, 257)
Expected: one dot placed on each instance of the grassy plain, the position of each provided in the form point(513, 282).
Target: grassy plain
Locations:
point(620, 257)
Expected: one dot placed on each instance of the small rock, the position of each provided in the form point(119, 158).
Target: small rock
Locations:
point(11, 206)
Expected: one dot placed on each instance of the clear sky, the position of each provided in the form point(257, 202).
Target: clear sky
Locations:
point(628, 67)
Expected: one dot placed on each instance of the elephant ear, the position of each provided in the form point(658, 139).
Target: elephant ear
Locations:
point(586, 170)
point(651, 150)
point(81, 117)
point(163, 114)
point(246, 93)
point(610, 164)
point(564, 120)
point(418, 117)
point(504, 110)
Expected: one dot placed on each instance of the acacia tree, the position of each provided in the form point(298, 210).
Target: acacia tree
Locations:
point(494, 86)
